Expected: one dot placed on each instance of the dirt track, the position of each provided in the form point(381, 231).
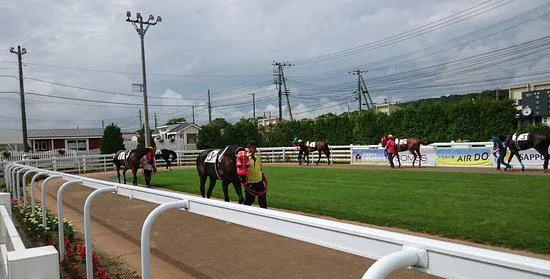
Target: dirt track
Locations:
point(192, 246)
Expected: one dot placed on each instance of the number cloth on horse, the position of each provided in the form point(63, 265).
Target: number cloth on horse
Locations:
point(520, 137)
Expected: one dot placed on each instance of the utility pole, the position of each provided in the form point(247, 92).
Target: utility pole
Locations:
point(193, 110)
point(280, 80)
point(20, 52)
point(497, 93)
point(138, 24)
point(286, 93)
point(140, 122)
point(370, 104)
point(156, 121)
point(254, 106)
point(102, 124)
point(358, 74)
point(209, 108)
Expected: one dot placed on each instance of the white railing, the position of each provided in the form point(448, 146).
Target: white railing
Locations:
point(16, 261)
point(393, 250)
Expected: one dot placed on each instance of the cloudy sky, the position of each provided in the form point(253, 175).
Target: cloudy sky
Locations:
point(411, 49)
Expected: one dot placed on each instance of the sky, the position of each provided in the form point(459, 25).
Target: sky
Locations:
point(409, 49)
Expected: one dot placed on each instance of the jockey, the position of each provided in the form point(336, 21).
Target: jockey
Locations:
point(500, 148)
point(256, 185)
point(391, 149)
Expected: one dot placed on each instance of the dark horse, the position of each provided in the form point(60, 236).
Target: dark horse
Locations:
point(134, 159)
point(410, 144)
point(537, 140)
point(221, 166)
point(167, 155)
point(319, 146)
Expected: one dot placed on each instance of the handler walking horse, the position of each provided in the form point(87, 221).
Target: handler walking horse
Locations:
point(221, 165)
point(319, 146)
point(537, 140)
point(134, 159)
point(410, 144)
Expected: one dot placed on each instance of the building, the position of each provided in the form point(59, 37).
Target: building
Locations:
point(68, 139)
point(130, 140)
point(11, 140)
point(532, 102)
point(267, 121)
point(181, 136)
point(387, 108)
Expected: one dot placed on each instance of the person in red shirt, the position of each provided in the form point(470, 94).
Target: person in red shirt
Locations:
point(391, 149)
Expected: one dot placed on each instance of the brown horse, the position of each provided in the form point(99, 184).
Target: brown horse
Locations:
point(134, 159)
point(410, 144)
point(221, 165)
point(319, 146)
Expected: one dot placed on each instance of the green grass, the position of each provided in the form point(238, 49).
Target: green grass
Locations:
point(502, 210)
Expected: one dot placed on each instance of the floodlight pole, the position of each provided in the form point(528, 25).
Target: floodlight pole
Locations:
point(138, 24)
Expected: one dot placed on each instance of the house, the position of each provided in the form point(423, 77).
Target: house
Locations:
point(386, 108)
point(532, 102)
point(11, 140)
point(267, 121)
point(130, 140)
point(68, 139)
point(182, 136)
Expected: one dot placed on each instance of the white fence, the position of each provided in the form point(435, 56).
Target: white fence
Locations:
point(391, 250)
point(16, 261)
point(340, 154)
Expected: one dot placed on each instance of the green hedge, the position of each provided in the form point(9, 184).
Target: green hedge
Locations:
point(470, 119)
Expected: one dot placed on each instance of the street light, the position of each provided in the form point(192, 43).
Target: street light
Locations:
point(138, 24)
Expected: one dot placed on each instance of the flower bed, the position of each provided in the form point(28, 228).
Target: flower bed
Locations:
point(74, 264)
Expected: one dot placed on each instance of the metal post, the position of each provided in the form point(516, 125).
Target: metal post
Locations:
point(389, 263)
point(146, 234)
point(60, 224)
point(17, 183)
point(9, 175)
point(44, 197)
point(25, 185)
point(32, 189)
point(87, 236)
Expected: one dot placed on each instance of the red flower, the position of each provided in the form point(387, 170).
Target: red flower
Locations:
point(105, 276)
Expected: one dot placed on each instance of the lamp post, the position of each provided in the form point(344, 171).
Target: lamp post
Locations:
point(141, 27)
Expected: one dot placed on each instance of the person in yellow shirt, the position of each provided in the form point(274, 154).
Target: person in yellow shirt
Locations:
point(256, 184)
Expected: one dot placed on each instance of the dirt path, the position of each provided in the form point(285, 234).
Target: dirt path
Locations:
point(191, 246)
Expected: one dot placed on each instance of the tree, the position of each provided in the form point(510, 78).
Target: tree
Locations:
point(209, 137)
point(112, 140)
point(176, 121)
point(141, 138)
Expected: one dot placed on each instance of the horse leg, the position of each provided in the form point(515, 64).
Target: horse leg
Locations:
point(545, 155)
point(398, 160)
point(124, 174)
point(319, 160)
point(414, 156)
point(203, 182)
point(134, 173)
point(118, 173)
point(239, 189)
point(516, 153)
point(327, 153)
point(211, 186)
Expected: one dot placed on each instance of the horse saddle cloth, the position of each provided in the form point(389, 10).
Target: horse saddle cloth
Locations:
point(212, 157)
point(310, 144)
point(123, 156)
point(521, 137)
point(399, 141)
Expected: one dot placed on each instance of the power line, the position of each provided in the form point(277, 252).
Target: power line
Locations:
point(412, 33)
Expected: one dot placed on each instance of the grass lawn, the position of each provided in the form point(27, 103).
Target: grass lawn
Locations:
point(502, 210)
